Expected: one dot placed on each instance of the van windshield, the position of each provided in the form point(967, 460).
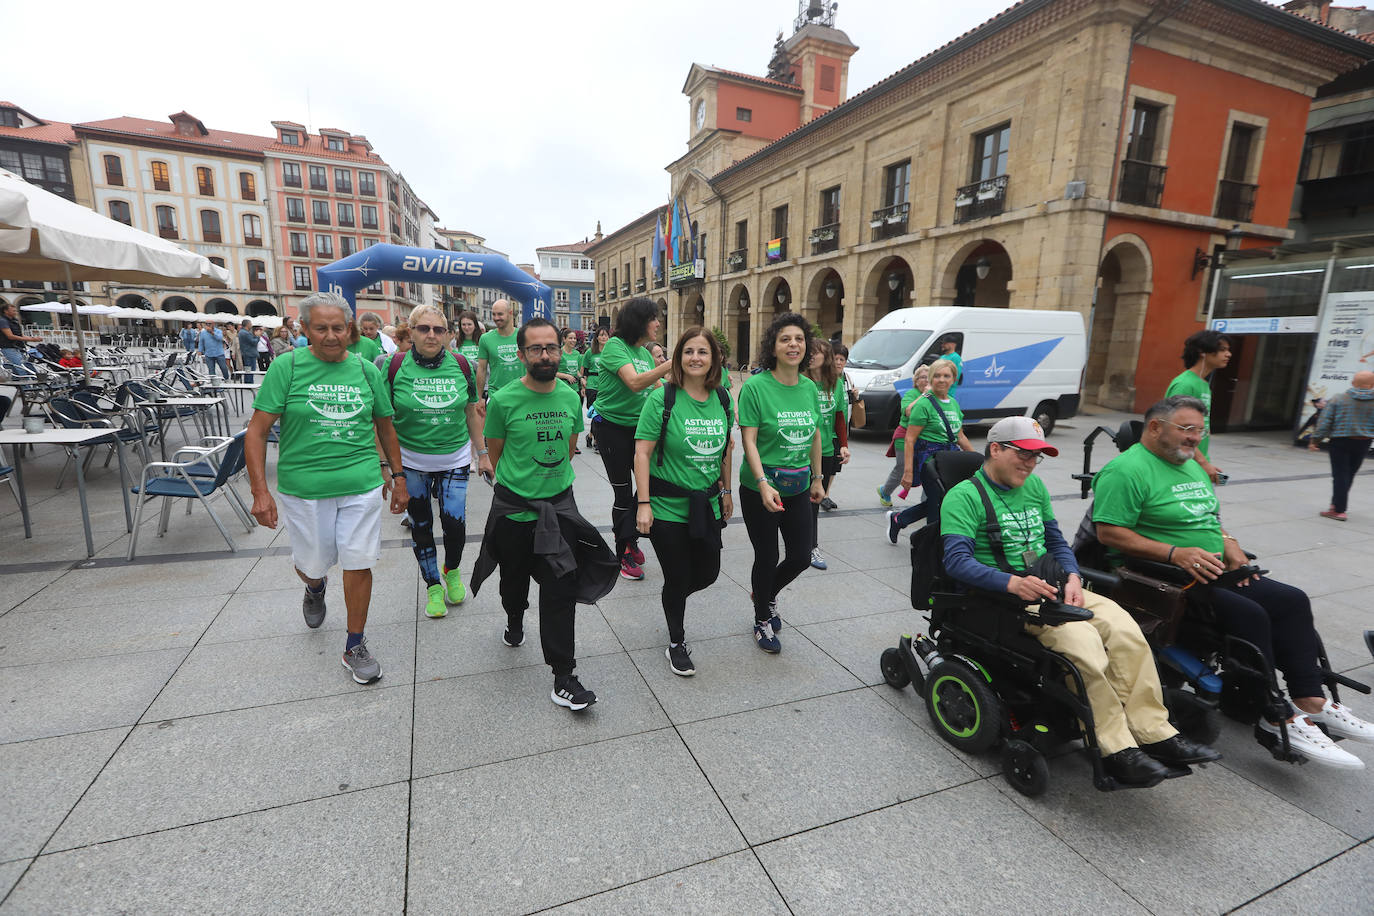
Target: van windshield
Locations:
point(887, 348)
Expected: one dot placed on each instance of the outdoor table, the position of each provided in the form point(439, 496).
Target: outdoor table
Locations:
point(218, 403)
point(80, 438)
point(238, 388)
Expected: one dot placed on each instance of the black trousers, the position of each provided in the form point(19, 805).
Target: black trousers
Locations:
point(689, 565)
point(1277, 618)
point(514, 549)
point(1347, 454)
point(617, 446)
point(794, 523)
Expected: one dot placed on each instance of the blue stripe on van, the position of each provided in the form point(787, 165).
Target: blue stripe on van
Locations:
point(989, 379)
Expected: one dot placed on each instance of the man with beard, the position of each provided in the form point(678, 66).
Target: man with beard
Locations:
point(1155, 501)
point(534, 530)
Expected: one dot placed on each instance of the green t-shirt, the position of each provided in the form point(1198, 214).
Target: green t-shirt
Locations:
point(591, 363)
point(614, 401)
point(367, 348)
point(327, 447)
point(832, 402)
point(926, 415)
point(1195, 386)
point(1171, 503)
point(538, 429)
point(570, 364)
point(1021, 514)
point(786, 417)
point(469, 349)
point(908, 399)
point(694, 447)
point(430, 406)
point(503, 359)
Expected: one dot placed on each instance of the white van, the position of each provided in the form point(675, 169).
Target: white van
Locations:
point(1017, 362)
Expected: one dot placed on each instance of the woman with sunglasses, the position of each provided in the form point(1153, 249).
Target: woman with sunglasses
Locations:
point(436, 421)
point(935, 424)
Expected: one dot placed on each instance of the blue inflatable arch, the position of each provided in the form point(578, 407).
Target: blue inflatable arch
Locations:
point(433, 265)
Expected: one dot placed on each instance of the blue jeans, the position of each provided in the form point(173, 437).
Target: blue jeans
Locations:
point(212, 361)
point(450, 488)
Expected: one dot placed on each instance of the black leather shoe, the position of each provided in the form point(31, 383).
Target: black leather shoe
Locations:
point(1133, 767)
point(1180, 751)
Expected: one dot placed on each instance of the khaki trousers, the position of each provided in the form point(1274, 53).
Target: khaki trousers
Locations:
point(1118, 672)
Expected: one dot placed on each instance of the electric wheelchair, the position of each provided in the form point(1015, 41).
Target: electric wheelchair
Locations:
point(1205, 671)
point(986, 682)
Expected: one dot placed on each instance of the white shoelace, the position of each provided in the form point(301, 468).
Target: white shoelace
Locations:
point(1338, 713)
point(1303, 728)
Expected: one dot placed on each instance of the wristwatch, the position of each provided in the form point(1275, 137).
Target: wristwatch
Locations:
point(398, 474)
point(481, 451)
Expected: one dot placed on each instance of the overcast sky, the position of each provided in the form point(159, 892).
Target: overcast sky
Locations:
point(524, 121)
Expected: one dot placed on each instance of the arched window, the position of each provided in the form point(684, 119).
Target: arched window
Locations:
point(119, 212)
point(114, 170)
point(167, 222)
point(248, 187)
point(217, 261)
point(162, 177)
point(252, 229)
point(209, 226)
point(205, 181)
point(257, 275)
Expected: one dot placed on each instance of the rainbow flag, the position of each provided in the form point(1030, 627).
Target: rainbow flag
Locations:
point(775, 250)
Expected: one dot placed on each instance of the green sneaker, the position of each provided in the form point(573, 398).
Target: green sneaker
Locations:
point(453, 579)
point(435, 607)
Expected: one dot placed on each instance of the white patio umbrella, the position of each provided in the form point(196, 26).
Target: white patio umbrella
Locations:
point(55, 239)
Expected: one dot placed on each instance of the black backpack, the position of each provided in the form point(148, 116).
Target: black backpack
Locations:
point(927, 555)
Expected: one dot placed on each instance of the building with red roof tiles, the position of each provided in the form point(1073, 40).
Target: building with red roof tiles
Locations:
point(40, 152)
point(1083, 155)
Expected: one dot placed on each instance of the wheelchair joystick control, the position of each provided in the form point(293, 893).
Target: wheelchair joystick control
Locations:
point(926, 651)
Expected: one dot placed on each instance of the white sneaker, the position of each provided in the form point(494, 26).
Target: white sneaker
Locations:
point(1340, 721)
point(1312, 743)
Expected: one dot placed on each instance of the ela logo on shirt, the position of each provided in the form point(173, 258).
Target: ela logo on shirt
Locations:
point(435, 392)
point(548, 432)
point(335, 402)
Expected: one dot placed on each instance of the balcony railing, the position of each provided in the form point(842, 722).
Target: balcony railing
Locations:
point(658, 281)
point(257, 284)
point(737, 259)
point(601, 296)
point(610, 293)
point(625, 288)
point(1235, 200)
point(254, 240)
point(1142, 183)
point(775, 250)
point(890, 221)
point(212, 235)
point(295, 217)
point(168, 232)
point(980, 199)
point(825, 238)
point(640, 285)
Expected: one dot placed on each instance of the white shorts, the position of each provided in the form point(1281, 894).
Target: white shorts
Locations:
point(346, 530)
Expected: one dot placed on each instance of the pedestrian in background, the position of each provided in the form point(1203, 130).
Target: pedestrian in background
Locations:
point(591, 368)
point(1203, 353)
point(1348, 422)
point(920, 384)
point(834, 421)
point(210, 343)
point(248, 349)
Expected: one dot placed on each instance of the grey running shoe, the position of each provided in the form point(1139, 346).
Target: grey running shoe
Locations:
point(360, 663)
point(313, 607)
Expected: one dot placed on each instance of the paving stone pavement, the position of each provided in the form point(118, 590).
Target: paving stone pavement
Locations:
point(176, 741)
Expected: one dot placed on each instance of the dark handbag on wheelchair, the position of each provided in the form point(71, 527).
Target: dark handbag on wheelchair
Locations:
point(1157, 606)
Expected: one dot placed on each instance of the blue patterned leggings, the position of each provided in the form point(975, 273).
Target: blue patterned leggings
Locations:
point(450, 488)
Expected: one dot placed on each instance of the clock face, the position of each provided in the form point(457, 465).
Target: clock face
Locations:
point(701, 114)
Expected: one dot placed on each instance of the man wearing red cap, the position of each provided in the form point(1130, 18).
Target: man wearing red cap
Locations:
point(999, 534)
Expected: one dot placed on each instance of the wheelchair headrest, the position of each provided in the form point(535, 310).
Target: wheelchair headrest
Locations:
point(953, 467)
point(1129, 434)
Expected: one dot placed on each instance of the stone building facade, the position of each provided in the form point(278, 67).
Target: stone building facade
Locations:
point(997, 171)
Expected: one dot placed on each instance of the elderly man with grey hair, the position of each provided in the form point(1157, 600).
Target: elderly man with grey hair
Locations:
point(333, 406)
point(1156, 502)
point(1347, 422)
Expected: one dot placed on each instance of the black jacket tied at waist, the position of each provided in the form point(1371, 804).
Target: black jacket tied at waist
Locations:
point(702, 525)
point(563, 539)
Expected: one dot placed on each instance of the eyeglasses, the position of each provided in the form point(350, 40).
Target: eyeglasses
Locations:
point(542, 349)
point(1024, 453)
point(1185, 429)
point(429, 328)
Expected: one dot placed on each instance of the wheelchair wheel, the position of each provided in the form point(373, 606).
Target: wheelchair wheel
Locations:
point(1025, 768)
point(1197, 720)
point(963, 707)
point(894, 669)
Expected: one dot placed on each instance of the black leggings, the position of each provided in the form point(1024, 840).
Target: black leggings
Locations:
point(1278, 619)
point(617, 446)
point(689, 565)
point(768, 576)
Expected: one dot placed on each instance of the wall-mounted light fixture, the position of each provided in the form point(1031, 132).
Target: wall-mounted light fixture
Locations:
point(982, 267)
